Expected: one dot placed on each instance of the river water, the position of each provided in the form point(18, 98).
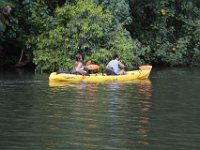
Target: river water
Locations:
point(161, 113)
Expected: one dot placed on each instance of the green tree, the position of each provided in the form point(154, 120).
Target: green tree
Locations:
point(120, 9)
point(170, 28)
point(51, 32)
point(83, 27)
point(27, 20)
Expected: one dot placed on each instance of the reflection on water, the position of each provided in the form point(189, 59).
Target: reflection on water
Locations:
point(145, 92)
point(102, 115)
point(75, 115)
point(141, 114)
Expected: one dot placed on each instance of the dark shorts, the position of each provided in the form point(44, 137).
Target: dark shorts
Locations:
point(110, 72)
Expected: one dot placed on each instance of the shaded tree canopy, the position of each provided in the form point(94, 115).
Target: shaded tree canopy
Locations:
point(49, 33)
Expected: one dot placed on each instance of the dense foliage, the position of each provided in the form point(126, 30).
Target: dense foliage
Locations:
point(82, 27)
point(171, 28)
point(50, 33)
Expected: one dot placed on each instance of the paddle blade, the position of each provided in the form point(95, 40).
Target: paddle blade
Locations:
point(145, 67)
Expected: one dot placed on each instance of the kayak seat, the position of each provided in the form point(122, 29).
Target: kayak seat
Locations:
point(62, 71)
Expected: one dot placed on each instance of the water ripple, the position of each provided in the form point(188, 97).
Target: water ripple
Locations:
point(160, 113)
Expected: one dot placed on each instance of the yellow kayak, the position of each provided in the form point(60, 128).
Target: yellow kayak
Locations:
point(142, 73)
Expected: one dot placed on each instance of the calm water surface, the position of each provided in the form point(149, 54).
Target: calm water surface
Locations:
point(161, 113)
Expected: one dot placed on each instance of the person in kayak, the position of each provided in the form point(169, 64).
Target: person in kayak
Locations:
point(78, 67)
point(115, 67)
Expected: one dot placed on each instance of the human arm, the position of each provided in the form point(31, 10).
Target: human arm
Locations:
point(79, 68)
point(107, 66)
point(120, 64)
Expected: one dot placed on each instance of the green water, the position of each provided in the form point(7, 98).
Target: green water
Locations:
point(161, 113)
